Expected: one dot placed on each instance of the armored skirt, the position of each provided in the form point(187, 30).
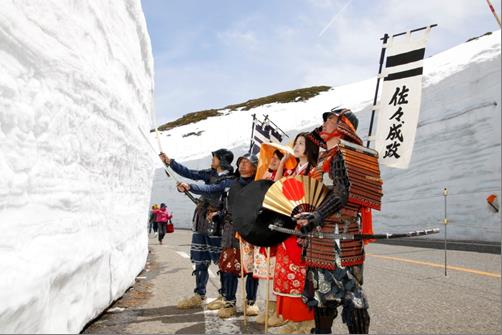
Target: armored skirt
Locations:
point(204, 248)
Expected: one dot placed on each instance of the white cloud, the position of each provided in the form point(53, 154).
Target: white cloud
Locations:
point(263, 53)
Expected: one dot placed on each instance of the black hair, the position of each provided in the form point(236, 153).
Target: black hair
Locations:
point(311, 150)
point(278, 153)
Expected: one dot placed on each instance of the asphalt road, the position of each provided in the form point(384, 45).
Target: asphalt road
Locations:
point(407, 289)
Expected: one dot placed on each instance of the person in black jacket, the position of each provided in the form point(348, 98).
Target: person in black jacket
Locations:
point(229, 260)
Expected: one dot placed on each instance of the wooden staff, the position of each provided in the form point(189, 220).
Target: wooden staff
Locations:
point(268, 289)
point(167, 168)
point(493, 12)
point(243, 283)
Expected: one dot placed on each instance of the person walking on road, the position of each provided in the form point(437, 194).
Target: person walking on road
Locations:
point(151, 220)
point(162, 216)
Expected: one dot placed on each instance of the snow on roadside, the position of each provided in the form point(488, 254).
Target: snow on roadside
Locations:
point(75, 174)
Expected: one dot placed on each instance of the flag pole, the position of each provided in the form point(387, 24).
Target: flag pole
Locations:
point(493, 12)
point(445, 222)
point(414, 30)
point(268, 290)
point(169, 172)
point(252, 133)
point(382, 56)
point(243, 282)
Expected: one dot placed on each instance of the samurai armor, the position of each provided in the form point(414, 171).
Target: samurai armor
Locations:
point(360, 165)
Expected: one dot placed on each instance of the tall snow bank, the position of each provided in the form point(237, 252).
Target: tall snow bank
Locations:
point(457, 144)
point(76, 80)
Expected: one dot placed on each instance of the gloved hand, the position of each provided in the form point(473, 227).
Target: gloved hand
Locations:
point(308, 221)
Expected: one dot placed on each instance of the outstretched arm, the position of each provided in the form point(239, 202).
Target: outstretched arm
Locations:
point(188, 173)
point(213, 188)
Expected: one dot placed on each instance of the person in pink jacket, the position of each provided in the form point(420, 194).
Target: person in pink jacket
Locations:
point(162, 216)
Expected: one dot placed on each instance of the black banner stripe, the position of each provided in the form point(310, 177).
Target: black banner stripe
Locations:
point(262, 131)
point(404, 74)
point(405, 58)
point(260, 139)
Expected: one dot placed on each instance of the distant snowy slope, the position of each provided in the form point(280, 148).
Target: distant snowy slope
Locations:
point(457, 144)
point(76, 80)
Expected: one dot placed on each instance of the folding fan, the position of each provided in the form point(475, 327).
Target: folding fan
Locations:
point(293, 195)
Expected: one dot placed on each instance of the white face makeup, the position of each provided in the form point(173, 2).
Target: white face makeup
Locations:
point(299, 148)
point(330, 124)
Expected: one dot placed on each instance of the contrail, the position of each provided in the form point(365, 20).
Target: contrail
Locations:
point(334, 18)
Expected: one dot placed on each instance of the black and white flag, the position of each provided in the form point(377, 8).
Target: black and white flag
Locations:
point(264, 132)
point(400, 100)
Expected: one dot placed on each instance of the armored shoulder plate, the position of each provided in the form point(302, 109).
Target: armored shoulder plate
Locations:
point(363, 171)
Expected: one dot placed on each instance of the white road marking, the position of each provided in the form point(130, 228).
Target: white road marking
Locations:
point(215, 325)
point(183, 254)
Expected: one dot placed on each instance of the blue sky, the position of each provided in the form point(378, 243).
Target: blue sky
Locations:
point(209, 54)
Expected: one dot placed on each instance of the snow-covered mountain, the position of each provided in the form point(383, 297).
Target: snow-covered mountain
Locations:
point(458, 144)
point(76, 81)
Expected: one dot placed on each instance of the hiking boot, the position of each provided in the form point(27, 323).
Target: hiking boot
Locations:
point(216, 303)
point(194, 301)
point(227, 311)
point(252, 310)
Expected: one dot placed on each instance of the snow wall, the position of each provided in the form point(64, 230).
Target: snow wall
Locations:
point(458, 144)
point(76, 81)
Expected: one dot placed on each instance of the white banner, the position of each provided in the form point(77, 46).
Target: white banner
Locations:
point(400, 100)
point(263, 132)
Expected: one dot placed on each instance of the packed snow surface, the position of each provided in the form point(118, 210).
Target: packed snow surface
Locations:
point(76, 82)
point(457, 144)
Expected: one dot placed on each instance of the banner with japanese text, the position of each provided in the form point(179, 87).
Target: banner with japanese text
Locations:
point(399, 106)
point(263, 132)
